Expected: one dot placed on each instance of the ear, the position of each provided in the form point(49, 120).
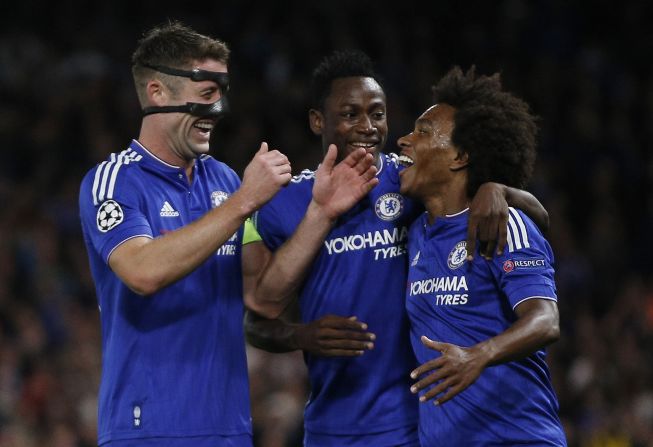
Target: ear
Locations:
point(460, 162)
point(157, 94)
point(316, 121)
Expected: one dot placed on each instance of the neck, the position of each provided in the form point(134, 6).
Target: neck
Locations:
point(154, 138)
point(448, 200)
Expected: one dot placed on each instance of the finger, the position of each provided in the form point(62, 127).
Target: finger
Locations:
point(364, 163)
point(428, 381)
point(330, 158)
point(431, 365)
point(370, 172)
point(276, 158)
point(435, 345)
point(355, 157)
point(438, 389)
point(352, 345)
point(285, 179)
point(471, 237)
point(483, 236)
point(453, 392)
point(343, 323)
point(341, 334)
point(282, 169)
point(503, 234)
point(340, 353)
point(263, 149)
point(492, 235)
point(369, 185)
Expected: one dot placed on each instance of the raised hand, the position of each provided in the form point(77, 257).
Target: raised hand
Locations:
point(488, 221)
point(333, 335)
point(265, 175)
point(339, 187)
point(451, 373)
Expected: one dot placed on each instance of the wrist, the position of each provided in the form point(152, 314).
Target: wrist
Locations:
point(485, 352)
point(296, 336)
point(320, 214)
point(243, 203)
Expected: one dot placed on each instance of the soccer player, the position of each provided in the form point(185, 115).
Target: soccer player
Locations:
point(162, 222)
point(352, 323)
point(478, 327)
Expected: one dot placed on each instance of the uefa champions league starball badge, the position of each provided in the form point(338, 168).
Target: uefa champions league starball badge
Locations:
point(109, 216)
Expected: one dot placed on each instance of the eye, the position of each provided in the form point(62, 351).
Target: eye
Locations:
point(208, 94)
point(379, 115)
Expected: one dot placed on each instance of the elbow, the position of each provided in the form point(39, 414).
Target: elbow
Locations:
point(550, 330)
point(265, 310)
point(143, 285)
point(553, 334)
point(545, 221)
point(259, 306)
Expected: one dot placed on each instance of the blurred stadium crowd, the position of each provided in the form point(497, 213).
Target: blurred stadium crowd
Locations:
point(66, 101)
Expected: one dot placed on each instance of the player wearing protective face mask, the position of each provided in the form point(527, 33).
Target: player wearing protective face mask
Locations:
point(162, 222)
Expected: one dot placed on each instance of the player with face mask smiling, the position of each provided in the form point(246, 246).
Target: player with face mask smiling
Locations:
point(163, 226)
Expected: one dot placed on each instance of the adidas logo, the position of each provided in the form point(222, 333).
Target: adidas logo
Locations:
point(168, 211)
point(415, 259)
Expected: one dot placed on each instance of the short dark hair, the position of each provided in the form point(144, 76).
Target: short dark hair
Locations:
point(494, 128)
point(174, 45)
point(339, 64)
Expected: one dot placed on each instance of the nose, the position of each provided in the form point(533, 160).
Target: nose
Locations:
point(365, 125)
point(403, 142)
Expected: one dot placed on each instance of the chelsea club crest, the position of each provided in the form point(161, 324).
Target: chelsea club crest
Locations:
point(458, 255)
point(389, 206)
point(218, 198)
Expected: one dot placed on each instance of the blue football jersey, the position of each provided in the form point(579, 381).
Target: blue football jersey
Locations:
point(454, 301)
point(174, 362)
point(360, 270)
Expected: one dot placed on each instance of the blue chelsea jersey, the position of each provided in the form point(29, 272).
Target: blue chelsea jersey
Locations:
point(360, 270)
point(173, 363)
point(453, 301)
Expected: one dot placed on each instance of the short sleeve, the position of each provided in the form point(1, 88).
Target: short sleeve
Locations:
point(110, 209)
point(525, 270)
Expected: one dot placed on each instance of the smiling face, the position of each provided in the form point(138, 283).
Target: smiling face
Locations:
point(428, 155)
point(187, 135)
point(353, 116)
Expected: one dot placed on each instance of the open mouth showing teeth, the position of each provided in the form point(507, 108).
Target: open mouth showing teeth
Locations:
point(366, 146)
point(405, 160)
point(204, 126)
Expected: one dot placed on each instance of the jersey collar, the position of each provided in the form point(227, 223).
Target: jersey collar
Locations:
point(154, 162)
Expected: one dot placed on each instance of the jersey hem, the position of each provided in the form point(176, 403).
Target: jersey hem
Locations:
point(125, 435)
point(358, 430)
point(123, 241)
point(548, 298)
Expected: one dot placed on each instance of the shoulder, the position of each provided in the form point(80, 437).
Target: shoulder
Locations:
point(103, 180)
point(293, 199)
point(305, 177)
point(390, 159)
point(522, 231)
point(216, 165)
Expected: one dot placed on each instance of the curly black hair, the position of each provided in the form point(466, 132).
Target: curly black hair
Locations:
point(493, 127)
point(339, 64)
